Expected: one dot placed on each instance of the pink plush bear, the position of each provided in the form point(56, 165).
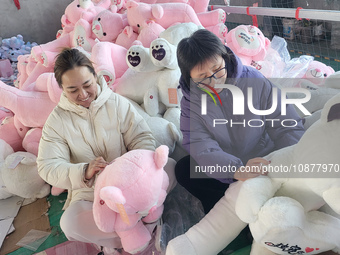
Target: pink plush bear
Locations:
point(107, 25)
point(139, 14)
point(168, 14)
point(31, 109)
point(81, 9)
point(317, 72)
point(129, 192)
point(109, 60)
point(248, 43)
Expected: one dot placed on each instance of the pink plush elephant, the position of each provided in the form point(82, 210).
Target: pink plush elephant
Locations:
point(248, 43)
point(129, 192)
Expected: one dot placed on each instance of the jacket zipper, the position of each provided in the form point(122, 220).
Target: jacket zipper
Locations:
point(98, 152)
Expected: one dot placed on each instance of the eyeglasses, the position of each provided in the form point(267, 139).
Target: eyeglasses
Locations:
point(208, 80)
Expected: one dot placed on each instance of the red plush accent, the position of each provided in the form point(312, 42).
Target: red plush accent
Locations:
point(17, 4)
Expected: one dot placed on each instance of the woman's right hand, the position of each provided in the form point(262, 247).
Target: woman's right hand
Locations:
point(95, 166)
point(252, 169)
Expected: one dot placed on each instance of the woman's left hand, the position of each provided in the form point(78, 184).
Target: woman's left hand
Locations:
point(95, 166)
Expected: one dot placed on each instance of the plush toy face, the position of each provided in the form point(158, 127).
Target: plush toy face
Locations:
point(75, 9)
point(102, 26)
point(250, 40)
point(135, 181)
point(317, 72)
point(140, 14)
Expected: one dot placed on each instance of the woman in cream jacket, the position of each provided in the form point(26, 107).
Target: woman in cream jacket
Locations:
point(90, 127)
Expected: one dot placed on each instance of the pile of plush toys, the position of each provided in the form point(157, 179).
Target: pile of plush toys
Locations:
point(133, 46)
point(10, 49)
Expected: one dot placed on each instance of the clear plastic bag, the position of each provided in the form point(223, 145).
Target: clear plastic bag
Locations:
point(33, 239)
point(181, 212)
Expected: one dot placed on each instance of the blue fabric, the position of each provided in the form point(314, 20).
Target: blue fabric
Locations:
point(224, 145)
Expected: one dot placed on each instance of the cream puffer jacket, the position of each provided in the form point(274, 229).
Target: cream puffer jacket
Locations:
point(74, 135)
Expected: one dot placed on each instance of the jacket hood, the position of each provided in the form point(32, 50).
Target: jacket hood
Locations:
point(103, 94)
point(234, 72)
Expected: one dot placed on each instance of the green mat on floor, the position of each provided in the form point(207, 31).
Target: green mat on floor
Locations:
point(240, 246)
point(56, 236)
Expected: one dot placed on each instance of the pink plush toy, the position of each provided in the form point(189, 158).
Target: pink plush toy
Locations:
point(81, 9)
point(31, 109)
point(139, 14)
point(109, 60)
point(248, 43)
point(107, 25)
point(317, 72)
point(129, 192)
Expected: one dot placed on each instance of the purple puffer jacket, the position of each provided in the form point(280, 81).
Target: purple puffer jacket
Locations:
point(229, 145)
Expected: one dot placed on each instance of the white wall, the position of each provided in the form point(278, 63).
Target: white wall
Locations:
point(37, 20)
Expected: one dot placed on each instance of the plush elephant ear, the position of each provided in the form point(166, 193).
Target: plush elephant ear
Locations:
point(157, 11)
point(104, 217)
point(161, 156)
point(112, 194)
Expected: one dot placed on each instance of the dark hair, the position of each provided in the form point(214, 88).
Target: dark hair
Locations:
point(69, 59)
point(201, 46)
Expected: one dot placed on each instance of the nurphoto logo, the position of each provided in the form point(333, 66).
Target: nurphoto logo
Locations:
point(239, 104)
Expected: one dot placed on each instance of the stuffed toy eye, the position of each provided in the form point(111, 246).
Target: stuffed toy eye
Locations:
point(138, 25)
point(104, 34)
point(325, 75)
point(99, 19)
point(78, 5)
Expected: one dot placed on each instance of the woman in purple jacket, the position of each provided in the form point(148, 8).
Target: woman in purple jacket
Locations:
point(223, 146)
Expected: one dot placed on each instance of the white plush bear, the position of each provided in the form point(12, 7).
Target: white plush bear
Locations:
point(19, 174)
point(308, 179)
point(153, 75)
point(163, 130)
point(281, 209)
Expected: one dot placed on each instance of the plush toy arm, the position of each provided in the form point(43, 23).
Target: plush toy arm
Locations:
point(214, 232)
point(253, 195)
point(154, 214)
point(332, 199)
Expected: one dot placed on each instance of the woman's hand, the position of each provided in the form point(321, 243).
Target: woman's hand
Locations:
point(252, 169)
point(95, 166)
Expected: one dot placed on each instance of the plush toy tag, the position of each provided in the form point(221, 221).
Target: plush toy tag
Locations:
point(16, 162)
point(172, 96)
point(123, 213)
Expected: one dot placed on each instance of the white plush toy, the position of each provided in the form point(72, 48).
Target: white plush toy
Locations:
point(308, 179)
point(163, 129)
point(19, 174)
point(153, 75)
point(281, 209)
point(319, 97)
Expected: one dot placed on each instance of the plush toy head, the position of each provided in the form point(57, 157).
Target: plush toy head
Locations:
point(248, 42)
point(317, 72)
point(108, 25)
point(19, 174)
point(136, 180)
point(304, 180)
point(167, 14)
point(131, 187)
